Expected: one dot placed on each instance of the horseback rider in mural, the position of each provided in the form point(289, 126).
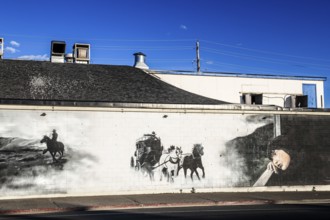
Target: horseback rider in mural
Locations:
point(53, 146)
point(54, 136)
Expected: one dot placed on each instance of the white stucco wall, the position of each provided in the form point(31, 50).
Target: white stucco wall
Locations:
point(100, 142)
point(230, 89)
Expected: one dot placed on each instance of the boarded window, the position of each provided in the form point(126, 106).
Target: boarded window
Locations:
point(82, 53)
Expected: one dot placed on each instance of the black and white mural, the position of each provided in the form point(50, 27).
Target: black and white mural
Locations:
point(80, 152)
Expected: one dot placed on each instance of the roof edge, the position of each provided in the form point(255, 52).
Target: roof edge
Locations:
point(243, 75)
point(239, 108)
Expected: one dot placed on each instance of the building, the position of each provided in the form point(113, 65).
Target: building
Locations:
point(283, 91)
point(100, 113)
point(255, 89)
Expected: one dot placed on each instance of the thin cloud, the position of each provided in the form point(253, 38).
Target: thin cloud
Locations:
point(34, 57)
point(183, 27)
point(11, 50)
point(14, 43)
point(209, 62)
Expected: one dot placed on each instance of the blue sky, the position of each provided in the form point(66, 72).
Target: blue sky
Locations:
point(284, 37)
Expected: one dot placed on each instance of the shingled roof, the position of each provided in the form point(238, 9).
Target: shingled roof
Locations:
point(40, 82)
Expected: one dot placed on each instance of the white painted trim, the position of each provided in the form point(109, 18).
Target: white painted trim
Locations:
point(176, 108)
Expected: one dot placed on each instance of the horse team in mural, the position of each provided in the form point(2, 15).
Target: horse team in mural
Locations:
point(150, 156)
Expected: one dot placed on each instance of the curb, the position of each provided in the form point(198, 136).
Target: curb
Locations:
point(138, 206)
point(304, 201)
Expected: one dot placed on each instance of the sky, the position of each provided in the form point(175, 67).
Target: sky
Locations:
point(282, 37)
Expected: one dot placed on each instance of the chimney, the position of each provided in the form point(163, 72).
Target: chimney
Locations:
point(81, 53)
point(140, 61)
point(1, 47)
point(57, 51)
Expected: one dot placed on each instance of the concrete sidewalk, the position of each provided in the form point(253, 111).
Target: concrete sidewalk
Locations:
point(112, 202)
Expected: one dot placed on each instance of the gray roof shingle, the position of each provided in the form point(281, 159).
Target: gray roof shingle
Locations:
point(31, 82)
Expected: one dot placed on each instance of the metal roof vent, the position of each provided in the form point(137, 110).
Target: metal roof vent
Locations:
point(81, 53)
point(1, 47)
point(69, 57)
point(57, 51)
point(140, 61)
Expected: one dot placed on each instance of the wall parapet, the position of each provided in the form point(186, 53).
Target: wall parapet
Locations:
point(186, 108)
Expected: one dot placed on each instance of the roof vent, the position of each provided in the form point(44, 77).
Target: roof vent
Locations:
point(1, 47)
point(69, 57)
point(57, 51)
point(81, 53)
point(140, 61)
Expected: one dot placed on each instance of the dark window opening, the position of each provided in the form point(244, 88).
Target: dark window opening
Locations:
point(301, 101)
point(254, 99)
point(58, 48)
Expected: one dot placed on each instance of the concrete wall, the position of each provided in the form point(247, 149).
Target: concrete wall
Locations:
point(230, 89)
point(101, 153)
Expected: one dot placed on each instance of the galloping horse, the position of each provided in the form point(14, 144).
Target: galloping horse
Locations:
point(52, 147)
point(169, 163)
point(193, 161)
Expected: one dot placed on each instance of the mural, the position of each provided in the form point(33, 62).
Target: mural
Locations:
point(74, 152)
point(151, 156)
point(300, 155)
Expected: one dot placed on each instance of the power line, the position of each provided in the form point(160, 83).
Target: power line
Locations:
point(263, 51)
point(100, 46)
point(263, 59)
point(166, 40)
point(221, 64)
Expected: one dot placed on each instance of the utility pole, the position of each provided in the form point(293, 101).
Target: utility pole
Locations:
point(197, 58)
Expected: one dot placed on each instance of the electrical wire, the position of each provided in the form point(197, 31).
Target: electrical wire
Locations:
point(268, 60)
point(263, 51)
point(100, 46)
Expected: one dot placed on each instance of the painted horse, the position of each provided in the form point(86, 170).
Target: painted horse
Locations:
point(169, 163)
point(53, 147)
point(193, 161)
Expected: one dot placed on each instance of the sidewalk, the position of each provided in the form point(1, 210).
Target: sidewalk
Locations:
point(61, 204)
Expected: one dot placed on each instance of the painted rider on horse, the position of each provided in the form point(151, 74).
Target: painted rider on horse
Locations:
point(54, 137)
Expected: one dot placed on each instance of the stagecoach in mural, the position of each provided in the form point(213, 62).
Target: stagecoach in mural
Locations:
point(150, 157)
point(148, 151)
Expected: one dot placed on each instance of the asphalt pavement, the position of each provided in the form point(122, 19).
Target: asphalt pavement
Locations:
point(116, 202)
